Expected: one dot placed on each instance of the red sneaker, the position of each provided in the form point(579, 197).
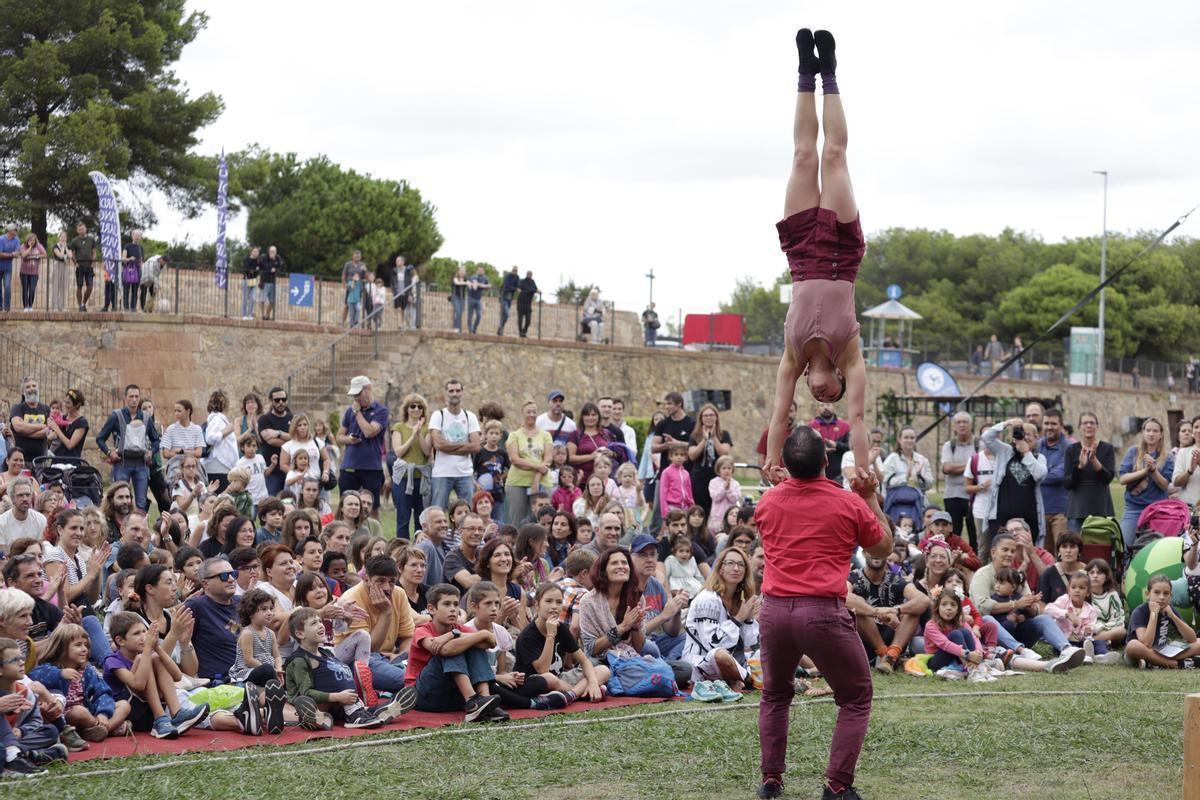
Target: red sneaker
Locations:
point(365, 685)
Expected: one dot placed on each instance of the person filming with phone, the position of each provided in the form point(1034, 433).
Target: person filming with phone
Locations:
point(1017, 476)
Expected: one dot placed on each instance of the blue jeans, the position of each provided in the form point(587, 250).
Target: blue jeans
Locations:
point(388, 676)
point(435, 688)
point(1044, 628)
point(941, 658)
point(408, 506)
point(464, 487)
point(671, 647)
point(352, 319)
point(505, 305)
point(457, 302)
point(1003, 637)
point(138, 475)
point(651, 336)
point(247, 299)
point(97, 641)
point(474, 313)
point(1128, 521)
point(6, 288)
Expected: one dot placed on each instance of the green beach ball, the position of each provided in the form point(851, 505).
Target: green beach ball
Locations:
point(1164, 555)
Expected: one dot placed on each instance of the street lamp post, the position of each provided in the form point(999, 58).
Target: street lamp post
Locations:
point(1103, 267)
point(650, 275)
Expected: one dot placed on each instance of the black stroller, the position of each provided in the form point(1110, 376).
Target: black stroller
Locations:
point(81, 482)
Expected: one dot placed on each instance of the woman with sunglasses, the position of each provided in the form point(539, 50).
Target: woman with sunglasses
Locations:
point(530, 449)
point(412, 447)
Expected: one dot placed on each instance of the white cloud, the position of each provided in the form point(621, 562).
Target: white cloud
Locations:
point(597, 142)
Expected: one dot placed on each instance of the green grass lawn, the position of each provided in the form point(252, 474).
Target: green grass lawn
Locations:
point(1106, 732)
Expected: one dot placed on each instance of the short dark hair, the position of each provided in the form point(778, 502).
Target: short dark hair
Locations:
point(251, 602)
point(132, 386)
point(241, 556)
point(268, 505)
point(1052, 412)
point(298, 550)
point(332, 556)
point(438, 591)
point(130, 555)
point(804, 453)
point(382, 567)
point(1070, 537)
point(675, 398)
point(183, 554)
point(121, 623)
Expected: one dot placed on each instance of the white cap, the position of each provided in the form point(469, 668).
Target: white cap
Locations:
point(357, 384)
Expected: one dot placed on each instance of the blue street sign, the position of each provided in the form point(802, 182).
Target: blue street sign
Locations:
point(300, 290)
point(893, 291)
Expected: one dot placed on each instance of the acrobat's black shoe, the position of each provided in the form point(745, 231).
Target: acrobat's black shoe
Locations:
point(825, 54)
point(808, 55)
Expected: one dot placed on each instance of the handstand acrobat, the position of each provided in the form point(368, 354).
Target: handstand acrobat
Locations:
point(823, 240)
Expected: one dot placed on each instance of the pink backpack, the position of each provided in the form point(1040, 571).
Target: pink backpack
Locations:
point(1169, 517)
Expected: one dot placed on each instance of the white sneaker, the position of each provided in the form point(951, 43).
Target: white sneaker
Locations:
point(1069, 658)
point(1088, 660)
point(1030, 653)
point(979, 675)
point(1111, 657)
point(1089, 650)
point(950, 674)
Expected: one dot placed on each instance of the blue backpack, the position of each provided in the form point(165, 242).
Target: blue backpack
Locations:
point(640, 677)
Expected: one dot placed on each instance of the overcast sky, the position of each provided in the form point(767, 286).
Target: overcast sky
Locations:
point(600, 141)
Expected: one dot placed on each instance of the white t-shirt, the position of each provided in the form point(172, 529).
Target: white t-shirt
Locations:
point(550, 426)
point(981, 508)
point(456, 429)
point(11, 528)
point(258, 482)
point(314, 456)
point(1190, 493)
point(849, 465)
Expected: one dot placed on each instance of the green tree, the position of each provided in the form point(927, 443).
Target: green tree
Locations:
point(89, 86)
point(439, 271)
point(318, 213)
point(573, 293)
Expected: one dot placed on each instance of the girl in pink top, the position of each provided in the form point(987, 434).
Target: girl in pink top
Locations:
point(949, 640)
point(822, 237)
point(1076, 617)
point(675, 484)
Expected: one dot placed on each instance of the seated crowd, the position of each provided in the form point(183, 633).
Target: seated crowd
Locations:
point(530, 563)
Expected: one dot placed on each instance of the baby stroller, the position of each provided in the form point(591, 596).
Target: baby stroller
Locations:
point(1102, 539)
point(904, 501)
point(1169, 517)
point(81, 482)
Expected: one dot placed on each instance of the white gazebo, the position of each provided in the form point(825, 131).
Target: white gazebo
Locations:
point(881, 349)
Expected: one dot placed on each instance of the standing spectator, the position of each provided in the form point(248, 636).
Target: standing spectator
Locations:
point(836, 434)
point(377, 296)
point(1018, 471)
point(152, 270)
point(32, 256)
point(10, 247)
point(221, 435)
point(273, 428)
point(66, 439)
point(1018, 367)
point(587, 442)
point(131, 271)
point(353, 272)
point(1090, 467)
point(525, 294)
point(993, 354)
point(83, 253)
point(676, 426)
point(761, 450)
point(1035, 412)
point(411, 478)
point(362, 433)
point(476, 286)
point(1053, 446)
point(58, 273)
point(650, 325)
point(134, 446)
point(301, 438)
point(956, 457)
point(1187, 461)
point(512, 281)
point(628, 435)
point(250, 269)
point(408, 293)
point(182, 437)
point(530, 450)
point(455, 434)
point(270, 268)
point(1144, 474)
point(707, 444)
point(976, 360)
point(555, 421)
point(907, 467)
point(21, 521)
point(458, 296)
point(29, 420)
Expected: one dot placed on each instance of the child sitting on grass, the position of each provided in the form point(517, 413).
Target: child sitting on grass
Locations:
point(448, 663)
point(1008, 589)
point(318, 682)
point(1148, 642)
point(683, 574)
point(1110, 605)
point(546, 649)
point(1076, 617)
point(575, 583)
point(951, 642)
point(256, 644)
point(88, 701)
point(515, 689)
point(136, 672)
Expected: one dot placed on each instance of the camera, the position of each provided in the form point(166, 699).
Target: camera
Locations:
point(1018, 434)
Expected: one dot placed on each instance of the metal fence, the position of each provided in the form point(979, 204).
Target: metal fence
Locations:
point(18, 362)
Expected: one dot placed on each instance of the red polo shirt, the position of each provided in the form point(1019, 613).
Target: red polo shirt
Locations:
point(809, 531)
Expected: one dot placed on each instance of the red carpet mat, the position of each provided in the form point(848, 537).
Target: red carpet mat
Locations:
point(196, 741)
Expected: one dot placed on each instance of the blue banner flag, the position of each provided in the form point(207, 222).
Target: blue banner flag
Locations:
point(110, 228)
point(222, 211)
point(300, 290)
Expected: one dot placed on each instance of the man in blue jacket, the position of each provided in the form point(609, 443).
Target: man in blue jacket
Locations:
point(512, 280)
point(1053, 445)
point(135, 441)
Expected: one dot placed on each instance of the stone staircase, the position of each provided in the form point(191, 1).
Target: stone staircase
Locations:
point(318, 386)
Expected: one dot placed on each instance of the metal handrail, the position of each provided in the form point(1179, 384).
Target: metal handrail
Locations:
point(18, 360)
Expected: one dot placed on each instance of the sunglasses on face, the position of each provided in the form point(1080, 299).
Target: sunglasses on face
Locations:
point(278, 399)
point(227, 575)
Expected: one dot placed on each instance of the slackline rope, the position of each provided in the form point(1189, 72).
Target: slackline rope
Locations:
point(1087, 298)
point(519, 727)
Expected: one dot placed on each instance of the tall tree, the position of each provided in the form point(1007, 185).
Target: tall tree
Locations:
point(317, 213)
point(88, 84)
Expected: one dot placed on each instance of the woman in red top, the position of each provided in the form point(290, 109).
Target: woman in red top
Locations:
point(587, 442)
point(823, 239)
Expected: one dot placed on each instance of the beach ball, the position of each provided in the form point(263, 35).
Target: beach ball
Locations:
point(1164, 555)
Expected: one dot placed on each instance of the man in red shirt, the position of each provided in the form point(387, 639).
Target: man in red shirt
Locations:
point(810, 527)
point(836, 433)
